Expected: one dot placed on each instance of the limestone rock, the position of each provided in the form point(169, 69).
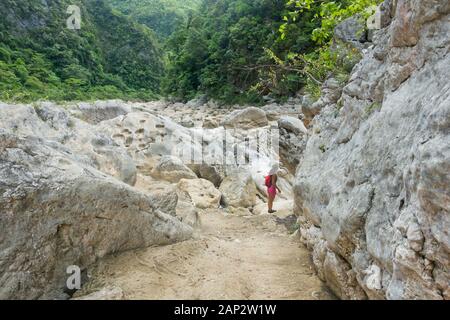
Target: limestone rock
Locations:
point(163, 193)
point(108, 293)
point(274, 111)
point(100, 110)
point(61, 212)
point(239, 190)
point(85, 142)
point(148, 137)
point(210, 123)
point(186, 210)
point(352, 30)
point(202, 192)
point(331, 93)
point(246, 119)
point(341, 278)
point(292, 124)
point(172, 169)
point(209, 172)
point(373, 180)
point(292, 142)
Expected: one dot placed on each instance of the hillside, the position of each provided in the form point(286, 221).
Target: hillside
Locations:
point(110, 56)
point(226, 49)
point(162, 16)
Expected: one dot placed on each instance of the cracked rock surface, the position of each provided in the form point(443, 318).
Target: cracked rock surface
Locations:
point(372, 191)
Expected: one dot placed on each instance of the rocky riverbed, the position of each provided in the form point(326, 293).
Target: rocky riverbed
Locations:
point(82, 181)
point(128, 190)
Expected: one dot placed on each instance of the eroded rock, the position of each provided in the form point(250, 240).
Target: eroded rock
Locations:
point(246, 119)
point(202, 193)
point(60, 211)
point(172, 169)
point(372, 190)
point(239, 190)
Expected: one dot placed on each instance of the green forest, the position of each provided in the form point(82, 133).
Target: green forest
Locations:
point(233, 51)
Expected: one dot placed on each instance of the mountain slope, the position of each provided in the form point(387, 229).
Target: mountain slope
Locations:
point(224, 49)
point(162, 16)
point(110, 56)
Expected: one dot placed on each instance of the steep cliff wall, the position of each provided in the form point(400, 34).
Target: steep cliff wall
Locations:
point(372, 191)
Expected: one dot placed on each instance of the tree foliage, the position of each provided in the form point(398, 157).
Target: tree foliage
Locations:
point(241, 51)
point(235, 51)
point(226, 51)
point(330, 13)
point(162, 16)
point(40, 58)
point(330, 57)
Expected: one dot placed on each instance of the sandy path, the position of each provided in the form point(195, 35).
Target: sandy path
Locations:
point(231, 257)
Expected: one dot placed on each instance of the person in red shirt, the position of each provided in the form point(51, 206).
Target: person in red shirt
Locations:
point(272, 188)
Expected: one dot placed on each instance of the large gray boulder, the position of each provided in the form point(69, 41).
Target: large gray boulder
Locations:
point(89, 144)
point(202, 193)
point(291, 124)
point(239, 189)
point(353, 31)
point(372, 190)
point(248, 118)
point(209, 172)
point(58, 211)
point(292, 142)
point(172, 169)
point(99, 111)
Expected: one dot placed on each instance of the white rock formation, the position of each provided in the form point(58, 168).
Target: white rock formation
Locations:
point(108, 293)
point(172, 169)
point(239, 190)
point(372, 190)
point(248, 118)
point(66, 199)
point(202, 192)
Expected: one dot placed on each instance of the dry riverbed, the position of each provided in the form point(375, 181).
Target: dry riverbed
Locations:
point(230, 257)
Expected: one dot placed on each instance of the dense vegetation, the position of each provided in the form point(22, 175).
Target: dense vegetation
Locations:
point(240, 51)
point(162, 16)
point(110, 56)
point(235, 51)
point(227, 51)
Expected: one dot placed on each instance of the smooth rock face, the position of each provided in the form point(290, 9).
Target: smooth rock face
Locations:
point(248, 118)
point(372, 190)
point(292, 124)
